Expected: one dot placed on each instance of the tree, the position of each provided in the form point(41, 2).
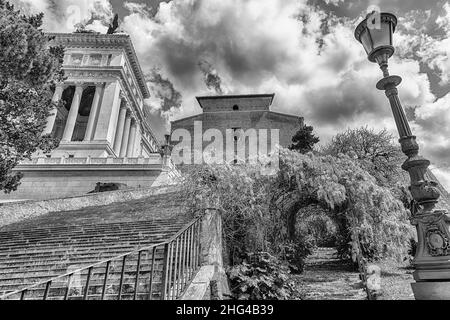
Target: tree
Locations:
point(304, 140)
point(29, 69)
point(364, 212)
point(375, 151)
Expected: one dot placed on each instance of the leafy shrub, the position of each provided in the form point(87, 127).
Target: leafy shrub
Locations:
point(356, 202)
point(260, 212)
point(412, 249)
point(262, 277)
point(243, 195)
point(296, 252)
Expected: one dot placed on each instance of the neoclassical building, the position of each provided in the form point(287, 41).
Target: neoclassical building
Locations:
point(104, 97)
point(103, 127)
point(238, 114)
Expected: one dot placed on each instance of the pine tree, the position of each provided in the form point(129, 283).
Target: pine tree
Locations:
point(29, 69)
point(304, 140)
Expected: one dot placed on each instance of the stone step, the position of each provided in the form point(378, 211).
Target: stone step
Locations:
point(118, 223)
point(113, 276)
point(82, 233)
point(79, 263)
point(63, 267)
point(97, 220)
point(99, 256)
point(7, 277)
point(81, 246)
point(46, 247)
point(95, 292)
point(93, 247)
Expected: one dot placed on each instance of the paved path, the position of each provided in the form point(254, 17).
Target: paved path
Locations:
point(328, 278)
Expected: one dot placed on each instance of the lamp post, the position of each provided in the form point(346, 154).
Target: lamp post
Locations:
point(432, 260)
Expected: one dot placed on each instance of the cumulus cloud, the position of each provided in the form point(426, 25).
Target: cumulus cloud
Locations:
point(304, 51)
point(138, 8)
point(67, 15)
point(211, 76)
point(163, 90)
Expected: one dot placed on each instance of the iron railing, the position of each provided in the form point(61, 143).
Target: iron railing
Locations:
point(161, 271)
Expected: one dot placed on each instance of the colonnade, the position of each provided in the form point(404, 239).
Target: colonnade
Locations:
point(127, 131)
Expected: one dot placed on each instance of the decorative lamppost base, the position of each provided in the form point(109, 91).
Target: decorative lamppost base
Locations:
point(432, 261)
point(431, 290)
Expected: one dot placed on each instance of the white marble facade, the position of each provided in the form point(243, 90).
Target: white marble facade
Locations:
point(104, 93)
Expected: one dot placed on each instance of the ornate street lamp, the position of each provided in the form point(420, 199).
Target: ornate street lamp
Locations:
point(432, 260)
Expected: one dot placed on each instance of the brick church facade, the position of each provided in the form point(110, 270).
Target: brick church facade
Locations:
point(240, 113)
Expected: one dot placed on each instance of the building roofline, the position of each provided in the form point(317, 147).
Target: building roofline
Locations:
point(272, 96)
point(123, 40)
point(187, 118)
point(285, 114)
point(249, 111)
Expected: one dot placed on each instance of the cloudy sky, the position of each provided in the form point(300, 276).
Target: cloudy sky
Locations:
point(301, 50)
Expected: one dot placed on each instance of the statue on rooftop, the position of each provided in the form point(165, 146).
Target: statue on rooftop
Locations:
point(114, 25)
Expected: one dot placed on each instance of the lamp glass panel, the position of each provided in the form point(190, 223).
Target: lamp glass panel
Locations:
point(366, 42)
point(382, 36)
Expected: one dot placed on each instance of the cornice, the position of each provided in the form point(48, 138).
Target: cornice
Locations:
point(123, 41)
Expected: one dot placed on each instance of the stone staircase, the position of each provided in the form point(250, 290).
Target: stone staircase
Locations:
point(326, 277)
point(39, 249)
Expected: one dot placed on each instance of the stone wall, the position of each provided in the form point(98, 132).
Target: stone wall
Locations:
point(212, 271)
point(287, 124)
point(16, 212)
point(50, 184)
point(55, 178)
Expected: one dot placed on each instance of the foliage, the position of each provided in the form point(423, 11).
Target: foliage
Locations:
point(376, 152)
point(29, 69)
point(315, 223)
point(258, 209)
point(359, 205)
point(295, 252)
point(412, 250)
point(262, 277)
point(412, 247)
point(304, 140)
point(242, 193)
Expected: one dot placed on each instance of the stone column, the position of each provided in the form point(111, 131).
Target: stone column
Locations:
point(137, 142)
point(120, 128)
point(126, 136)
point(93, 113)
point(141, 149)
point(131, 140)
point(73, 114)
point(108, 114)
point(52, 117)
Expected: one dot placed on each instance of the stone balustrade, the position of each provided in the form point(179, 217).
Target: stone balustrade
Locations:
point(154, 159)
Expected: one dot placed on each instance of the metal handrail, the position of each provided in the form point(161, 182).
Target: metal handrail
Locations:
point(182, 259)
point(168, 245)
